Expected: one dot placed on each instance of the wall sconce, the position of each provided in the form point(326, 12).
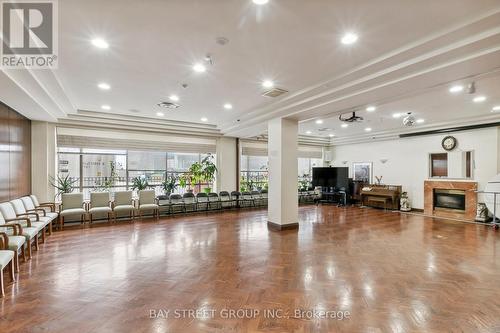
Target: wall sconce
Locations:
point(384, 160)
point(345, 162)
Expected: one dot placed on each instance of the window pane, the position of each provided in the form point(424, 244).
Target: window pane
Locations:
point(104, 170)
point(181, 161)
point(69, 165)
point(146, 160)
point(68, 150)
point(303, 166)
point(103, 151)
point(257, 163)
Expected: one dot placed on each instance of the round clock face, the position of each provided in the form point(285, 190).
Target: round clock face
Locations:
point(449, 143)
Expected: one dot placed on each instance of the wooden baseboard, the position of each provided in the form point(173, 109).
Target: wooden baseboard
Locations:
point(282, 227)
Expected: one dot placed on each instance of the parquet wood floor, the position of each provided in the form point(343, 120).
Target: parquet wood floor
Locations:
point(391, 272)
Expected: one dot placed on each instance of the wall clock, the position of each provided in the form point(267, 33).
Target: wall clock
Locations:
point(449, 143)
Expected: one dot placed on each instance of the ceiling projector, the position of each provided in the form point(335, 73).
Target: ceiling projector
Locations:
point(409, 120)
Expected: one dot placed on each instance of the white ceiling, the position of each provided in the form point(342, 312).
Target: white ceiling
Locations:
point(405, 46)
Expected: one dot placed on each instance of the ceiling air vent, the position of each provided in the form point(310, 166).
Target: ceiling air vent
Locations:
point(168, 105)
point(275, 92)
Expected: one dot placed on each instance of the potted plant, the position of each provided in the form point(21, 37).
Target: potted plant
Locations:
point(185, 180)
point(208, 171)
point(63, 184)
point(169, 184)
point(140, 183)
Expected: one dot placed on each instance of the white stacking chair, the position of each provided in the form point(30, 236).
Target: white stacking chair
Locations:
point(99, 204)
point(123, 203)
point(147, 202)
point(6, 260)
point(37, 220)
point(24, 224)
point(72, 204)
point(16, 239)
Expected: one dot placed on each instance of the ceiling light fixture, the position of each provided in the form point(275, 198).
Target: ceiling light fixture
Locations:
point(308, 132)
point(104, 86)
point(371, 108)
point(204, 119)
point(228, 106)
point(397, 115)
point(420, 121)
point(174, 98)
point(344, 125)
point(105, 107)
point(100, 43)
point(331, 135)
point(268, 84)
point(349, 38)
point(160, 114)
point(368, 129)
point(319, 121)
point(479, 99)
point(199, 68)
point(496, 108)
point(260, 2)
point(456, 89)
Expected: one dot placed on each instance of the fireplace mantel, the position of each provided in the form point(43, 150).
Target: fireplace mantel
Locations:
point(470, 189)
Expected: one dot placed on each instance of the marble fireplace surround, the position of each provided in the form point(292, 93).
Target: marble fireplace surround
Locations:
point(470, 198)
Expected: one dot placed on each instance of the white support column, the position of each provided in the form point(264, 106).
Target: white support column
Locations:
point(43, 159)
point(227, 156)
point(283, 196)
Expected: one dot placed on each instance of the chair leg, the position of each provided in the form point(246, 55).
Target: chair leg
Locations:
point(16, 261)
point(23, 252)
point(90, 218)
point(1, 283)
point(61, 222)
point(11, 270)
point(43, 235)
point(29, 248)
point(36, 242)
point(50, 228)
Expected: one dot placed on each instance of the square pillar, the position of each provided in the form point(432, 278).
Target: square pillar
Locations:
point(227, 164)
point(43, 159)
point(283, 170)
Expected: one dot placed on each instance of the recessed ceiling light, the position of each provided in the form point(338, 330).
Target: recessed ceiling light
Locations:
point(368, 129)
point(319, 121)
point(204, 119)
point(228, 106)
point(496, 108)
point(344, 125)
point(371, 108)
point(420, 121)
point(349, 38)
point(268, 84)
point(105, 107)
point(174, 98)
point(456, 89)
point(479, 99)
point(260, 2)
point(199, 68)
point(104, 86)
point(160, 114)
point(308, 132)
point(331, 135)
point(100, 43)
point(397, 115)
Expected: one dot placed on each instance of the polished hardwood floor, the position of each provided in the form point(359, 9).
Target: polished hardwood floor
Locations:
point(384, 271)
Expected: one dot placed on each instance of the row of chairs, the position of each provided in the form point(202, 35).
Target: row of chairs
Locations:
point(189, 202)
point(22, 223)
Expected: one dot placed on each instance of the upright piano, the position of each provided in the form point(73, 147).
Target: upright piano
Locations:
point(391, 193)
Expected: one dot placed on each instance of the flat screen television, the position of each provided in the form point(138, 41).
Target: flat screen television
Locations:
point(331, 177)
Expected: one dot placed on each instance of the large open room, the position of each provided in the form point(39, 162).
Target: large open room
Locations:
point(249, 166)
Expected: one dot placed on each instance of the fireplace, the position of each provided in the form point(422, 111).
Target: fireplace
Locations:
point(449, 199)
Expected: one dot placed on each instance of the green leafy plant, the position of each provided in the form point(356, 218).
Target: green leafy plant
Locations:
point(63, 184)
point(140, 183)
point(208, 171)
point(170, 184)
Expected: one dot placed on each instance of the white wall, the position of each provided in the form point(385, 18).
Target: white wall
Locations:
point(227, 157)
point(408, 158)
point(43, 159)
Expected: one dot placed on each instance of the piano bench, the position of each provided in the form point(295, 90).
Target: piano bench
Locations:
point(380, 200)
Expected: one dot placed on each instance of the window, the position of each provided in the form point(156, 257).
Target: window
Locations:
point(439, 165)
point(99, 170)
